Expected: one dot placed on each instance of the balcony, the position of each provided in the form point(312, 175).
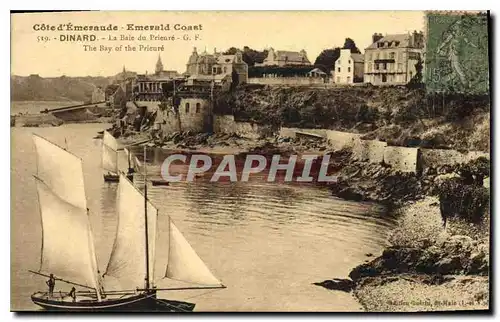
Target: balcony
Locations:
point(389, 60)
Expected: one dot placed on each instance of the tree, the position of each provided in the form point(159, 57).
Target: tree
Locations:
point(235, 80)
point(416, 80)
point(350, 44)
point(230, 51)
point(250, 56)
point(326, 59)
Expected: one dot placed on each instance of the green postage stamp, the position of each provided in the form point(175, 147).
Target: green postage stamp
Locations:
point(457, 53)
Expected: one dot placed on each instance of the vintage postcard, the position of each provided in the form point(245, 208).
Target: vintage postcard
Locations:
point(222, 161)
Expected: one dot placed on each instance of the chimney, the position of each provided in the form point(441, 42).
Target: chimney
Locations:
point(376, 37)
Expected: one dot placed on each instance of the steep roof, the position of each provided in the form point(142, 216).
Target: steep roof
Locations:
point(318, 71)
point(193, 58)
point(358, 58)
point(402, 40)
point(218, 77)
point(225, 59)
point(206, 58)
point(293, 56)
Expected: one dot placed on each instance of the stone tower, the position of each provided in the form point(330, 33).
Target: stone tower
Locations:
point(192, 64)
point(159, 65)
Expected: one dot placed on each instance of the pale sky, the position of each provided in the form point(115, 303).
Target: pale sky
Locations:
point(282, 30)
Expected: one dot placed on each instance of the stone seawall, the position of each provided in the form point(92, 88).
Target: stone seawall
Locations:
point(249, 130)
point(298, 81)
point(403, 159)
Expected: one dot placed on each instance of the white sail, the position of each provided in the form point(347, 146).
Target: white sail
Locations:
point(129, 157)
point(67, 246)
point(61, 171)
point(128, 258)
point(109, 153)
point(137, 162)
point(183, 262)
point(110, 141)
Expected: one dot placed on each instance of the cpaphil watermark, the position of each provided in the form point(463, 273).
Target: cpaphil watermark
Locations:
point(306, 168)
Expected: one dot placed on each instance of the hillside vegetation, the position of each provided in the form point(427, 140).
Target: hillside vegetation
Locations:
point(401, 115)
point(36, 88)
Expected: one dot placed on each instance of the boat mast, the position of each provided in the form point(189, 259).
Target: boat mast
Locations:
point(116, 163)
point(129, 160)
point(146, 219)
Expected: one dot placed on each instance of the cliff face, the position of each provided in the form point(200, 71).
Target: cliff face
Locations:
point(405, 116)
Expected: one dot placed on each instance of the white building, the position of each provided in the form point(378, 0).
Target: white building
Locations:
point(348, 68)
point(392, 59)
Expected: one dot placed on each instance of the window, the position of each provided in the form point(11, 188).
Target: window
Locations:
point(349, 61)
point(187, 107)
point(338, 69)
point(392, 55)
point(198, 107)
point(348, 69)
point(376, 66)
point(225, 69)
point(384, 66)
point(348, 79)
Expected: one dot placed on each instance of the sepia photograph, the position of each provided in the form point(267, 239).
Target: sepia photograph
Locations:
point(250, 161)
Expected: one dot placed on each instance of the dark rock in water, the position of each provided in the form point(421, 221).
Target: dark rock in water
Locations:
point(449, 265)
point(455, 255)
point(338, 284)
point(368, 254)
point(350, 194)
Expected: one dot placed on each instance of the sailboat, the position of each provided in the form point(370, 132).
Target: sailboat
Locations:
point(68, 250)
point(131, 170)
point(110, 157)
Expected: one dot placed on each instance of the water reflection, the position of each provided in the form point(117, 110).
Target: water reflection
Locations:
point(267, 241)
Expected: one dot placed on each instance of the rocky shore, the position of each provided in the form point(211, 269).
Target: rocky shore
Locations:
point(427, 267)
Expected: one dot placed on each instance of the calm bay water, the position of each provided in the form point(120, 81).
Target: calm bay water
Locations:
point(267, 242)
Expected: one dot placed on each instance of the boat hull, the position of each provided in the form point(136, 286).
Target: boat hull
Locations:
point(111, 178)
point(116, 178)
point(159, 183)
point(144, 302)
